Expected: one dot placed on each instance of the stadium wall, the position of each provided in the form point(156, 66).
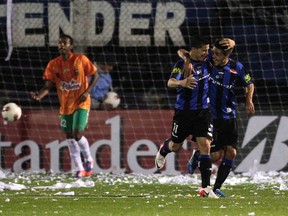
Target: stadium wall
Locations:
point(123, 141)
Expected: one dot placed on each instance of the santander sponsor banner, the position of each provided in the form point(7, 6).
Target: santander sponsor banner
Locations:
point(120, 141)
point(128, 140)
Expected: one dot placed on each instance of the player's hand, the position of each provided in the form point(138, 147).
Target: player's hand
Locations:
point(34, 96)
point(190, 82)
point(188, 68)
point(82, 97)
point(228, 42)
point(250, 109)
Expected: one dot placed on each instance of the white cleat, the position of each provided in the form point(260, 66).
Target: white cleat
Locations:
point(159, 160)
point(208, 192)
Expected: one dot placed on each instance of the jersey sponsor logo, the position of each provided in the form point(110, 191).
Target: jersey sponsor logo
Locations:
point(70, 86)
point(213, 81)
point(201, 77)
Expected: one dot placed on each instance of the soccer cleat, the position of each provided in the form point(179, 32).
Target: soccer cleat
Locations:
point(219, 193)
point(80, 174)
point(194, 161)
point(89, 165)
point(159, 159)
point(207, 192)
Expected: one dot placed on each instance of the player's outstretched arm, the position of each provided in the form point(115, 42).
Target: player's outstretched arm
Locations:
point(43, 91)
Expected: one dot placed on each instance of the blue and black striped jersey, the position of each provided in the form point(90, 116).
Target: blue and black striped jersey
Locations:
point(197, 98)
point(221, 89)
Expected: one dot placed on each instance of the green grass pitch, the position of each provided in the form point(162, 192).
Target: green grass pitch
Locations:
point(129, 195)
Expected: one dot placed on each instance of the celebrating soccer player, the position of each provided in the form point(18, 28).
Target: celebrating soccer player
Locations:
point(192, 113)
point(224, 75)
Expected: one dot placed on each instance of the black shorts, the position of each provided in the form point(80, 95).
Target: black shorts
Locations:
point(225, 132)
point(191, 122)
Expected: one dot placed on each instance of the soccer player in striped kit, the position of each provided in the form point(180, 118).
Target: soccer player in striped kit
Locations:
point(192, 112)
point(225, 73)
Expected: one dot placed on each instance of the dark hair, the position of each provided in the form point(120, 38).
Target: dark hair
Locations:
point(67, 36)
point(223, 48)
point(197, 41)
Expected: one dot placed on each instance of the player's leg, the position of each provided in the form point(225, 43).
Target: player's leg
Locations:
point(179, 132)
point(205, 163)
point(205, 166)
point(193, 162)
point(203, 132)
point(226, 166)
point(227, 136)
point(80, 121)
point(74, 150)
point(167, 147)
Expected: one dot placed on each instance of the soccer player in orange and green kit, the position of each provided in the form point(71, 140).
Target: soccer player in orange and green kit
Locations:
point(69, 72)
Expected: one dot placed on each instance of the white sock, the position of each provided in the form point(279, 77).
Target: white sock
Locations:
point(85, 148)
point(75, 154)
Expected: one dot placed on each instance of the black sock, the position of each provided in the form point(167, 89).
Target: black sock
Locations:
point(223, 172)
point(205, 169)
point(165, 148)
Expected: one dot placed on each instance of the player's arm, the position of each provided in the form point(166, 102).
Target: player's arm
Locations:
point(43, 91)
point(249, 106)
point(184, 54)
point(83, 97)
point(93, 81)
point(189, 82)
point(188, 67)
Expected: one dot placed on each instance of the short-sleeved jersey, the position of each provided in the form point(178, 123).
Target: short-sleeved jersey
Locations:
point(197, 98)
point(71, 80)
point(222, 84)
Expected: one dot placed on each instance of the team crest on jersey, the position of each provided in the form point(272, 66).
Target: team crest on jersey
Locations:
point(76, 72)
point(247, 78)
point(219, 75)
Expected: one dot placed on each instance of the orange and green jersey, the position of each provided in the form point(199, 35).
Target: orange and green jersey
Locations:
point(71, 80)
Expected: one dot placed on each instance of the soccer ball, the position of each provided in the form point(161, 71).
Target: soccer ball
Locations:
point(112, 99)
point(11, 112)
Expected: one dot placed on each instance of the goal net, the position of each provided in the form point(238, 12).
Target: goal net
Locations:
point(140, 40)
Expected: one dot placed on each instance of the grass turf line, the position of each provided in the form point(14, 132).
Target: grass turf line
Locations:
point(130, 198)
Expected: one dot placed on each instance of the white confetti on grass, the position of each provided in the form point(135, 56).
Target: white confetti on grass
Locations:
point(42, 180)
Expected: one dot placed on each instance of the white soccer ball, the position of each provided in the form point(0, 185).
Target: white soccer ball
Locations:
point(112, 99)
point(11, 112)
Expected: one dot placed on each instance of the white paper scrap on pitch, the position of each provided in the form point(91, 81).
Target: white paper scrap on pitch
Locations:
point(2, 174)
point(11, 186)
point(70, 193)
point(77, 184)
